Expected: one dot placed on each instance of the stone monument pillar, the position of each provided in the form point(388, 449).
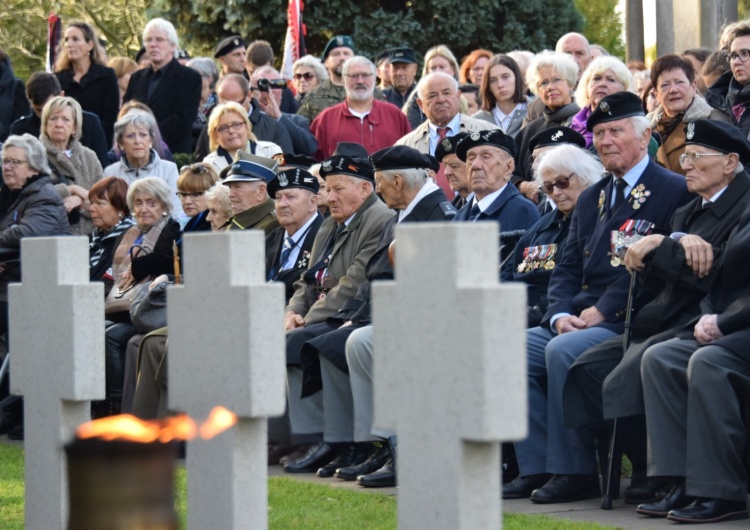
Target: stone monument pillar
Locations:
point(449, 373)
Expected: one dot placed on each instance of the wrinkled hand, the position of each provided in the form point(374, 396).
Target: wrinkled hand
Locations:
point(707, 329)
point(530, 191)
point(637, 251)
point(569, 323)
point(157, 281)
point(79, 191)
point(269, 106)
point(292, 321)
point(699, 255)
point(591, 316)
point(72, 202)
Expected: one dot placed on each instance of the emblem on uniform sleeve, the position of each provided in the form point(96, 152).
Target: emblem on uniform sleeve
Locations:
point(690, 130)
point(604, 107)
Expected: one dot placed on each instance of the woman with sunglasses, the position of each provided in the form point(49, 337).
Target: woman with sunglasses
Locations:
point(307, 73)
point(192, 184)
point(562, 173)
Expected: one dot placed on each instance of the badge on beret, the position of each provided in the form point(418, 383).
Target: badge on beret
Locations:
point(340, 41)
point(557, 136)
point(326, 166)
point(604, 107)
point(283, 181)
point(446, 145)
point(690, 131)
point(236, 42)
point(280, 159)
point(475, 136)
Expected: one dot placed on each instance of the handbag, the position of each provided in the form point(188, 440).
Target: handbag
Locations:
point(148, 309)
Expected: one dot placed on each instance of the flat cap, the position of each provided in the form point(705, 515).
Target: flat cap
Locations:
point(494, 137)
point(557, 136)
point(347, 165)
point(295, 160)
point(248, 168)
point(615, 107)
point(402, 55)
point(339, 41)
point(399, 157)
point(718, 136)
point(228, 45)
point(447, 146)
point(293, 178)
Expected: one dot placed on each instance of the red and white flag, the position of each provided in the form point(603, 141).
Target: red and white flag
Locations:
point(294, 44)
point(54, 28)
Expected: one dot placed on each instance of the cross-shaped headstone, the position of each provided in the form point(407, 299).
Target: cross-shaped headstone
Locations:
point(56, 331)
point(450, 373)
point(226, 347)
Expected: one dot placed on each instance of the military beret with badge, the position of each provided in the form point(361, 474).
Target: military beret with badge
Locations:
point(557, 136)
point(228, 45)
point(399, 157)
point(494, 138)
point(293, 178)
point(447, 146)
point(347, 165)
point(295, 160)
point(718, 136)
point(615, 107)
point(339, 41)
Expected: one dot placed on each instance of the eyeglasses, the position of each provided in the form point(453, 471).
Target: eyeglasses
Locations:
point(742, 55)
point(359, 76)
point(12, 162)
point(547, 82)
point(192, 195)
point(694, 157)
point(307, 76)
point(561, 183)
point(235, 126)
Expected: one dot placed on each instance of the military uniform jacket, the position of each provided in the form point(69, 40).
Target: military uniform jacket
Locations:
point(353, 248)
point(511, 209)
point(262, 216)
point(585, 277)
point(274, 242)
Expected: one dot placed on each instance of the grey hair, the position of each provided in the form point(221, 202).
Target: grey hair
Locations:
point(422, 85)
point(164, 26)
point(138, 119)
point(220, 193)
point(153, 186)
point(35, 152)
point(313, 62)
point(413, 177)
point(597, 67)
point(566, 159)
point(358, 59)
point(562, 63)
point(640, 124)
point(206, 67)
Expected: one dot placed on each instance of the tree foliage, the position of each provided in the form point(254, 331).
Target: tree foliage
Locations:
point(602, 25)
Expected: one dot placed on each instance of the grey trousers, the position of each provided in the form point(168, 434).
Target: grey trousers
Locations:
point(305, 414)
point(150, 400)
point(693, 396)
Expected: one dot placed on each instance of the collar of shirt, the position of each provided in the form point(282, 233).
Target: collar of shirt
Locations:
point(631, 177)
point(454, 127)
point(715, 197)
point(429, 187)
point(489, 199)
point(504, 119)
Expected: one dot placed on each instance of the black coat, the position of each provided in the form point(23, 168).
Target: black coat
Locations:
point(97, 92)
point(13, 102)
point(161, 260)
point(174, 101)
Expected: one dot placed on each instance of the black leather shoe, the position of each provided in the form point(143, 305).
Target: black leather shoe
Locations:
point(521, 487)
point(646, 490)
point(376, 460)
point(675, 499)
point(385, 477)
point(349, 455)
point(16, 433)
point(509, 463)
point(319, 454)
point(567, 488)
point(12, 416)
point(710, 511)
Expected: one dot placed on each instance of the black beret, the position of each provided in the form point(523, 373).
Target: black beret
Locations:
point(293, 178)
point(248, 167)
point(347, 165)
point(228, 45)
point(402, 55)
point(399, 157)
point(339, 41)
point(294, 160)
point(447, 145)
point(495, 138)
point(615, 107)
point(183, 54)
point(718, 136)
point(434, 163)
point(351, 149)
point(381, 55)
point(557, 136)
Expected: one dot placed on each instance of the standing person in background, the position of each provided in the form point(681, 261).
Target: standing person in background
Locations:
point(124, 68)
point(307, 73)
point(472, 69)
point(338, 50)
point(13, 103)
point(230, 53)
point(503, 95)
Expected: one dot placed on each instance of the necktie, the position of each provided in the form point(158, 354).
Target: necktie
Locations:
point(474, 212)
point(286, 250)
point(620, 185)
point(442, 133)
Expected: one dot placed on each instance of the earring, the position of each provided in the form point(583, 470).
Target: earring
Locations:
point(120, 215)
point(164, 214)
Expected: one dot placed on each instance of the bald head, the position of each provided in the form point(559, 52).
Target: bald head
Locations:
point(578, 46)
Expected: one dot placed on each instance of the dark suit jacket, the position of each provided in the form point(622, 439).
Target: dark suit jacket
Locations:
point(174, 102)
point(298, 127)
point(585, 277)
point(511, 209)
point(275, 240)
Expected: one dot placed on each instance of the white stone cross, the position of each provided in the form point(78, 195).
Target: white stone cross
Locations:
point(227, 347)
point(449, 373)
point(56, 323)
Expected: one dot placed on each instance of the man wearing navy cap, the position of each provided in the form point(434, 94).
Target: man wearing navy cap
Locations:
point(588, 295)
point(231, 54)
point(247, 180)
point(403, 69)
point(342, 248)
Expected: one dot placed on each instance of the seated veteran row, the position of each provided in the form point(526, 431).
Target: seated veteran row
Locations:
point(247, 180)
point(587, 295)
point(677, 270)
point(455, 168)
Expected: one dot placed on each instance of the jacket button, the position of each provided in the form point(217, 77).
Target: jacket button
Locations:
point(584, 287)
point(587, 253)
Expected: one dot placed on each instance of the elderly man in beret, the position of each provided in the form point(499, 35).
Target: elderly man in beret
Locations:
point(401, 179)
point(455, 168)
point(344, 244)
point(587, 297)
point(489, 157)
point(230, 53)
point(247, 180)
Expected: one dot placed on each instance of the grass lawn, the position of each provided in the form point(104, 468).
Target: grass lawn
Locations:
point(291, 505)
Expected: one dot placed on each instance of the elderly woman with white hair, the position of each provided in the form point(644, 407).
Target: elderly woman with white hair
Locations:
point(563, 173)
point(307, 73)
point(604, 76)
point(551, 76)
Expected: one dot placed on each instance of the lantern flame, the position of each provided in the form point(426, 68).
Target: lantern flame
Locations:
point(126, 427)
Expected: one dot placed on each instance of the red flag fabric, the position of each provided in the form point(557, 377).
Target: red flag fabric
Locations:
point(54, 29)
point(294, 43)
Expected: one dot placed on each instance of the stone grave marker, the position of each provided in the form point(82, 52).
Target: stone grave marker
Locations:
point(57, 363)
point(449, 373)
point(226, 347)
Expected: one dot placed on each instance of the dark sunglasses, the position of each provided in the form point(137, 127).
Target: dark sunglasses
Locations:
point(562, 183)
point(307, 76)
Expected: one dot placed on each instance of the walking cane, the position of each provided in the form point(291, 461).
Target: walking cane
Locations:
point(607, 497)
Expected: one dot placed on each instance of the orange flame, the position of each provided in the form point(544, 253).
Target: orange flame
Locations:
point(126, 427)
